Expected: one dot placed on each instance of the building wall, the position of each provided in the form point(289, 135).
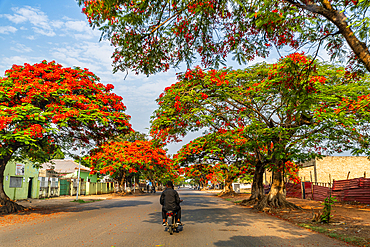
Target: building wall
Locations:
point(22, 192)
point(83, 175)
point(307, 174)
point(337, 167)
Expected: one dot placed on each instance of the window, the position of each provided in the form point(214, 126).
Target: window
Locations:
point(15, 182)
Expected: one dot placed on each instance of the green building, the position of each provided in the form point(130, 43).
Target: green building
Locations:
point(21, 180)
point(67, 172)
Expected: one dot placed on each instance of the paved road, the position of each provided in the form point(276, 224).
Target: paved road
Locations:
point(135, 221)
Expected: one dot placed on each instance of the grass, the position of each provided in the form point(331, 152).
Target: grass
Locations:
point(231, 200)
point(353, 240)
point(82, 201)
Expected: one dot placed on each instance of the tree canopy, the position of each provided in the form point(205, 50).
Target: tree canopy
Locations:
point(220, 153)
point(287, 111)
point(118, 159)
point(152, 36)
point(46, 108)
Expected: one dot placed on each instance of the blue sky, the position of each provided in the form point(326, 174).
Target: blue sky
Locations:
point(31, 31)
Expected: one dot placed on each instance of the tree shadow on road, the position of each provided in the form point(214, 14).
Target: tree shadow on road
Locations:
point(251, 241)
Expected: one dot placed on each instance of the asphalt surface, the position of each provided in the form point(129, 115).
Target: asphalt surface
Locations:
point(136, 221)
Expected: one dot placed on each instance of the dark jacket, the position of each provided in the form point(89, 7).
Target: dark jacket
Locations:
point(170, 200)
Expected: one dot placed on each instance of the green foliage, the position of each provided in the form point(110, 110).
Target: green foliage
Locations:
point(295, 109)
point(47, 110)
point(131, 137)
point(326, 214)
point(151, 36)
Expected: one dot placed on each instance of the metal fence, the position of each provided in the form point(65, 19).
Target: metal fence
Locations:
point(354, 190)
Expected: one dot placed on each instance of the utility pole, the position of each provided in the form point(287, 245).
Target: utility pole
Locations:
point(78, 176)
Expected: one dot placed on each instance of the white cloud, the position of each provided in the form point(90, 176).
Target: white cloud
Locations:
point(21, 48)
point(79, 26)
point(36, 17)
point(33, 15)
point(7, 29)
point(80, 30)
point(45, 32)
point(57, 24)
point(15, 18)
point(80, 36)
point(31, 37)
point(23, 28)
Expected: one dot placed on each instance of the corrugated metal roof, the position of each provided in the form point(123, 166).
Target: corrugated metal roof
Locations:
point(64, 166)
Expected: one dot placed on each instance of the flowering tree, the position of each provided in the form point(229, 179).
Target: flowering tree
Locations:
point(285, 111)
point(199, 173)
point(221, 153)
point(152, 36)
point(45, 106)
point(119, 159)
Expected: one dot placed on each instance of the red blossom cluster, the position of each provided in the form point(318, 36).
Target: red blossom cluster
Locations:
point(137, 156)
point(44, 97)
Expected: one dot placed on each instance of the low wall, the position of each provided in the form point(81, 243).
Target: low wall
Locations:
point(86, 188)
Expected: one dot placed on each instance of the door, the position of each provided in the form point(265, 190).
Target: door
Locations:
point(64, 187)
point(30, 181)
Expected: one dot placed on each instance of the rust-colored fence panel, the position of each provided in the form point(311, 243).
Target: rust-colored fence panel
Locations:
point(320, 192)
point(353, 190)
point(293, 190)
point(308, 190)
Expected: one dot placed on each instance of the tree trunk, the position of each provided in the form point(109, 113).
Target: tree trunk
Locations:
point(257, 192)
point(276, 197)
point(7, 205)
point(202, 185)
point(153, 185)
point(228, 189)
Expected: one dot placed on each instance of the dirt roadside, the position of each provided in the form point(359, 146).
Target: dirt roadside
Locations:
point(69, 201)
point(350, 222)
point(41, 210)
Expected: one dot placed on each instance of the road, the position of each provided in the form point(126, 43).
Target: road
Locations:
point(136, 221)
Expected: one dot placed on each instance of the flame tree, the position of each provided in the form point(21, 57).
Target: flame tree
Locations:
point(45, 107)
point(221, 153)
point(199, 173)
point(152, 36)
point(119, 159)
point(279, 107)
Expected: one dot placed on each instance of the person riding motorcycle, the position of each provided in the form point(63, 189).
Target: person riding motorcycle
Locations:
point(170, 201)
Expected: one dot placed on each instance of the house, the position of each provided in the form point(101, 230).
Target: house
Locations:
point(331, 168)
point(21, 180)
point(66, 171)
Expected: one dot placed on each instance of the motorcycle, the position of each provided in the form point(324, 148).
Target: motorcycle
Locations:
point(171, 222)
